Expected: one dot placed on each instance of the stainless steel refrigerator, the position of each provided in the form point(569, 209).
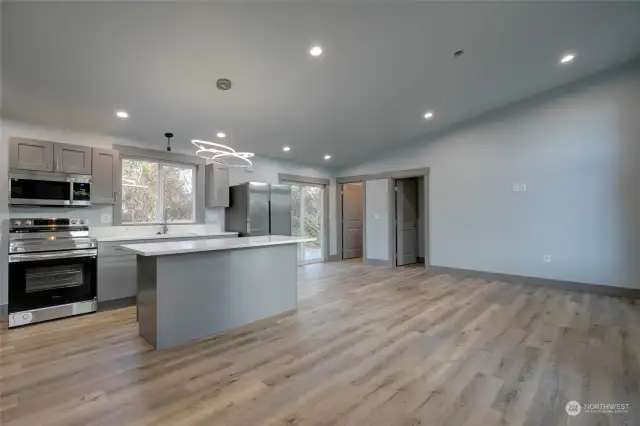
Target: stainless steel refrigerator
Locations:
point(257, 209)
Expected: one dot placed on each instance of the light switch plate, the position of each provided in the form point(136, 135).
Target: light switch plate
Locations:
point(105, 218)
point(515, 187)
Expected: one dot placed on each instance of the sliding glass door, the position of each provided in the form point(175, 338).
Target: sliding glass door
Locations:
point(307, 220)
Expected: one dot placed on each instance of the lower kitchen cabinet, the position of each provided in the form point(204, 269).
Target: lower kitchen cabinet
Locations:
point(117, 278)
point(117, 267)
point(117, 271)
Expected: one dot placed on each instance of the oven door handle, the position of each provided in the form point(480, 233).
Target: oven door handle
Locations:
point(26, 257)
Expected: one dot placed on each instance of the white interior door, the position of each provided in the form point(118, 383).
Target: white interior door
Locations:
point(406, 222)
point(352, 208)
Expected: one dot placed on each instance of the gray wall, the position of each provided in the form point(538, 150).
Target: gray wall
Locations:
point(578, 151)
point(377, 219)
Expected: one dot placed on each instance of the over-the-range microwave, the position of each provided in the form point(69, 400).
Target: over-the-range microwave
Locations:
point(48, 189)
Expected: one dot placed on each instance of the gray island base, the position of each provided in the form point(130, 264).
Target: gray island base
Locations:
point(191, 289)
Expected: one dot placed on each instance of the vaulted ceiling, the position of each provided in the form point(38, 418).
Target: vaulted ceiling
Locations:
point(384, 64)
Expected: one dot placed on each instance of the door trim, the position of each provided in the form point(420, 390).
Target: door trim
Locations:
point(400, 214)
point(423, 172)
point(285, 177)
point(426, 220)
point(395, 174)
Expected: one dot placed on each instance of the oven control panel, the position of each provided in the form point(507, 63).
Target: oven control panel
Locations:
point(47, 222)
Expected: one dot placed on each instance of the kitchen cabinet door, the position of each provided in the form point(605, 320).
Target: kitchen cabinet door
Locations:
point(117, 278)
point(105, 176)
point(72, 159)
point(217, 185)
point(30, 154)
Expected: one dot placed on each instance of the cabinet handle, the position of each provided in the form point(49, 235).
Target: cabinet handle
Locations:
point(50, 165)
point(115, 196)
point(55, 163)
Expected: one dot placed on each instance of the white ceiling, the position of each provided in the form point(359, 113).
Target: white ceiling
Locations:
point(71, 65)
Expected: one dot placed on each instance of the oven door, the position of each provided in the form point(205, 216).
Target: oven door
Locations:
point(40, 192)
point(41, 280)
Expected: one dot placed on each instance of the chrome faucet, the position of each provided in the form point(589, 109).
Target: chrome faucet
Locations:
point(165, 227)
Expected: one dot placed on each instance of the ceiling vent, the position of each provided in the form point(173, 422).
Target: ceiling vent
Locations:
point(223, 84)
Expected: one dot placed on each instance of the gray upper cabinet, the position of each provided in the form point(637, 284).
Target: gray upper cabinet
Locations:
point(217, 185)
point(31, 154)
point(105, 176)
point(72, 159)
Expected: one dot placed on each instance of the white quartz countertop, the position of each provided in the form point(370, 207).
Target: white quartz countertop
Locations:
point(192, 246)
point(165, 236)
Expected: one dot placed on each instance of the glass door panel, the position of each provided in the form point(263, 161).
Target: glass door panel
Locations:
point(307, 220)
point(313, 209)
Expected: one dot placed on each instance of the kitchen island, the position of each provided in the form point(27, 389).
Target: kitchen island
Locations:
point(192, 289)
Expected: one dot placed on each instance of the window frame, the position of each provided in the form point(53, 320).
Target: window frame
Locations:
point(160, 189)
point(154, 155)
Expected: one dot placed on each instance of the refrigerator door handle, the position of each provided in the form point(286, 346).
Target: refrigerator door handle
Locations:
point(269, 204)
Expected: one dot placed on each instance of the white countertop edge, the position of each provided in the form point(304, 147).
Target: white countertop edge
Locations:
point(194, 246)
point(115, 238)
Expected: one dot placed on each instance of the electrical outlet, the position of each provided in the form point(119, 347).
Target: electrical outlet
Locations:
point(546, 258)
point(523, 187)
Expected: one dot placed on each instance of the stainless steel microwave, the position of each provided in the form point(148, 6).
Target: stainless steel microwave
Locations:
point(49, 189)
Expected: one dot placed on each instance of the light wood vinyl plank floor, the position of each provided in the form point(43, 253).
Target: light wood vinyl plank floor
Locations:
point(368, 346)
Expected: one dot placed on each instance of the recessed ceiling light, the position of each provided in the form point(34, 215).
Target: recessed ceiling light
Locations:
point(122, 114)
point(428, 115)
point(315, 51)
point(568, 57)
point(286, 148)
point(327, 157)
point(220, 134)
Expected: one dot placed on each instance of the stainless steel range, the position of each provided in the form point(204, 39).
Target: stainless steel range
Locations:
point(52, 269)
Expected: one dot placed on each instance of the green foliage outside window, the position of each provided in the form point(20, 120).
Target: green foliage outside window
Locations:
point(142, 182)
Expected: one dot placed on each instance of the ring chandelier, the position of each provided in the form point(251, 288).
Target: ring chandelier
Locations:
point(222, 154)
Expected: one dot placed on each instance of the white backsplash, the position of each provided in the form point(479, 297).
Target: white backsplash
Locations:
point(147, 230)
point(214, 218)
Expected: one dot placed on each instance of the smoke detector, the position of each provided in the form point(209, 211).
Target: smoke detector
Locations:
point(223, 84)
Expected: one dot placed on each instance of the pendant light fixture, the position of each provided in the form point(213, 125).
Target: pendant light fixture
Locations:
point(222, 154)
point(168, 136)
